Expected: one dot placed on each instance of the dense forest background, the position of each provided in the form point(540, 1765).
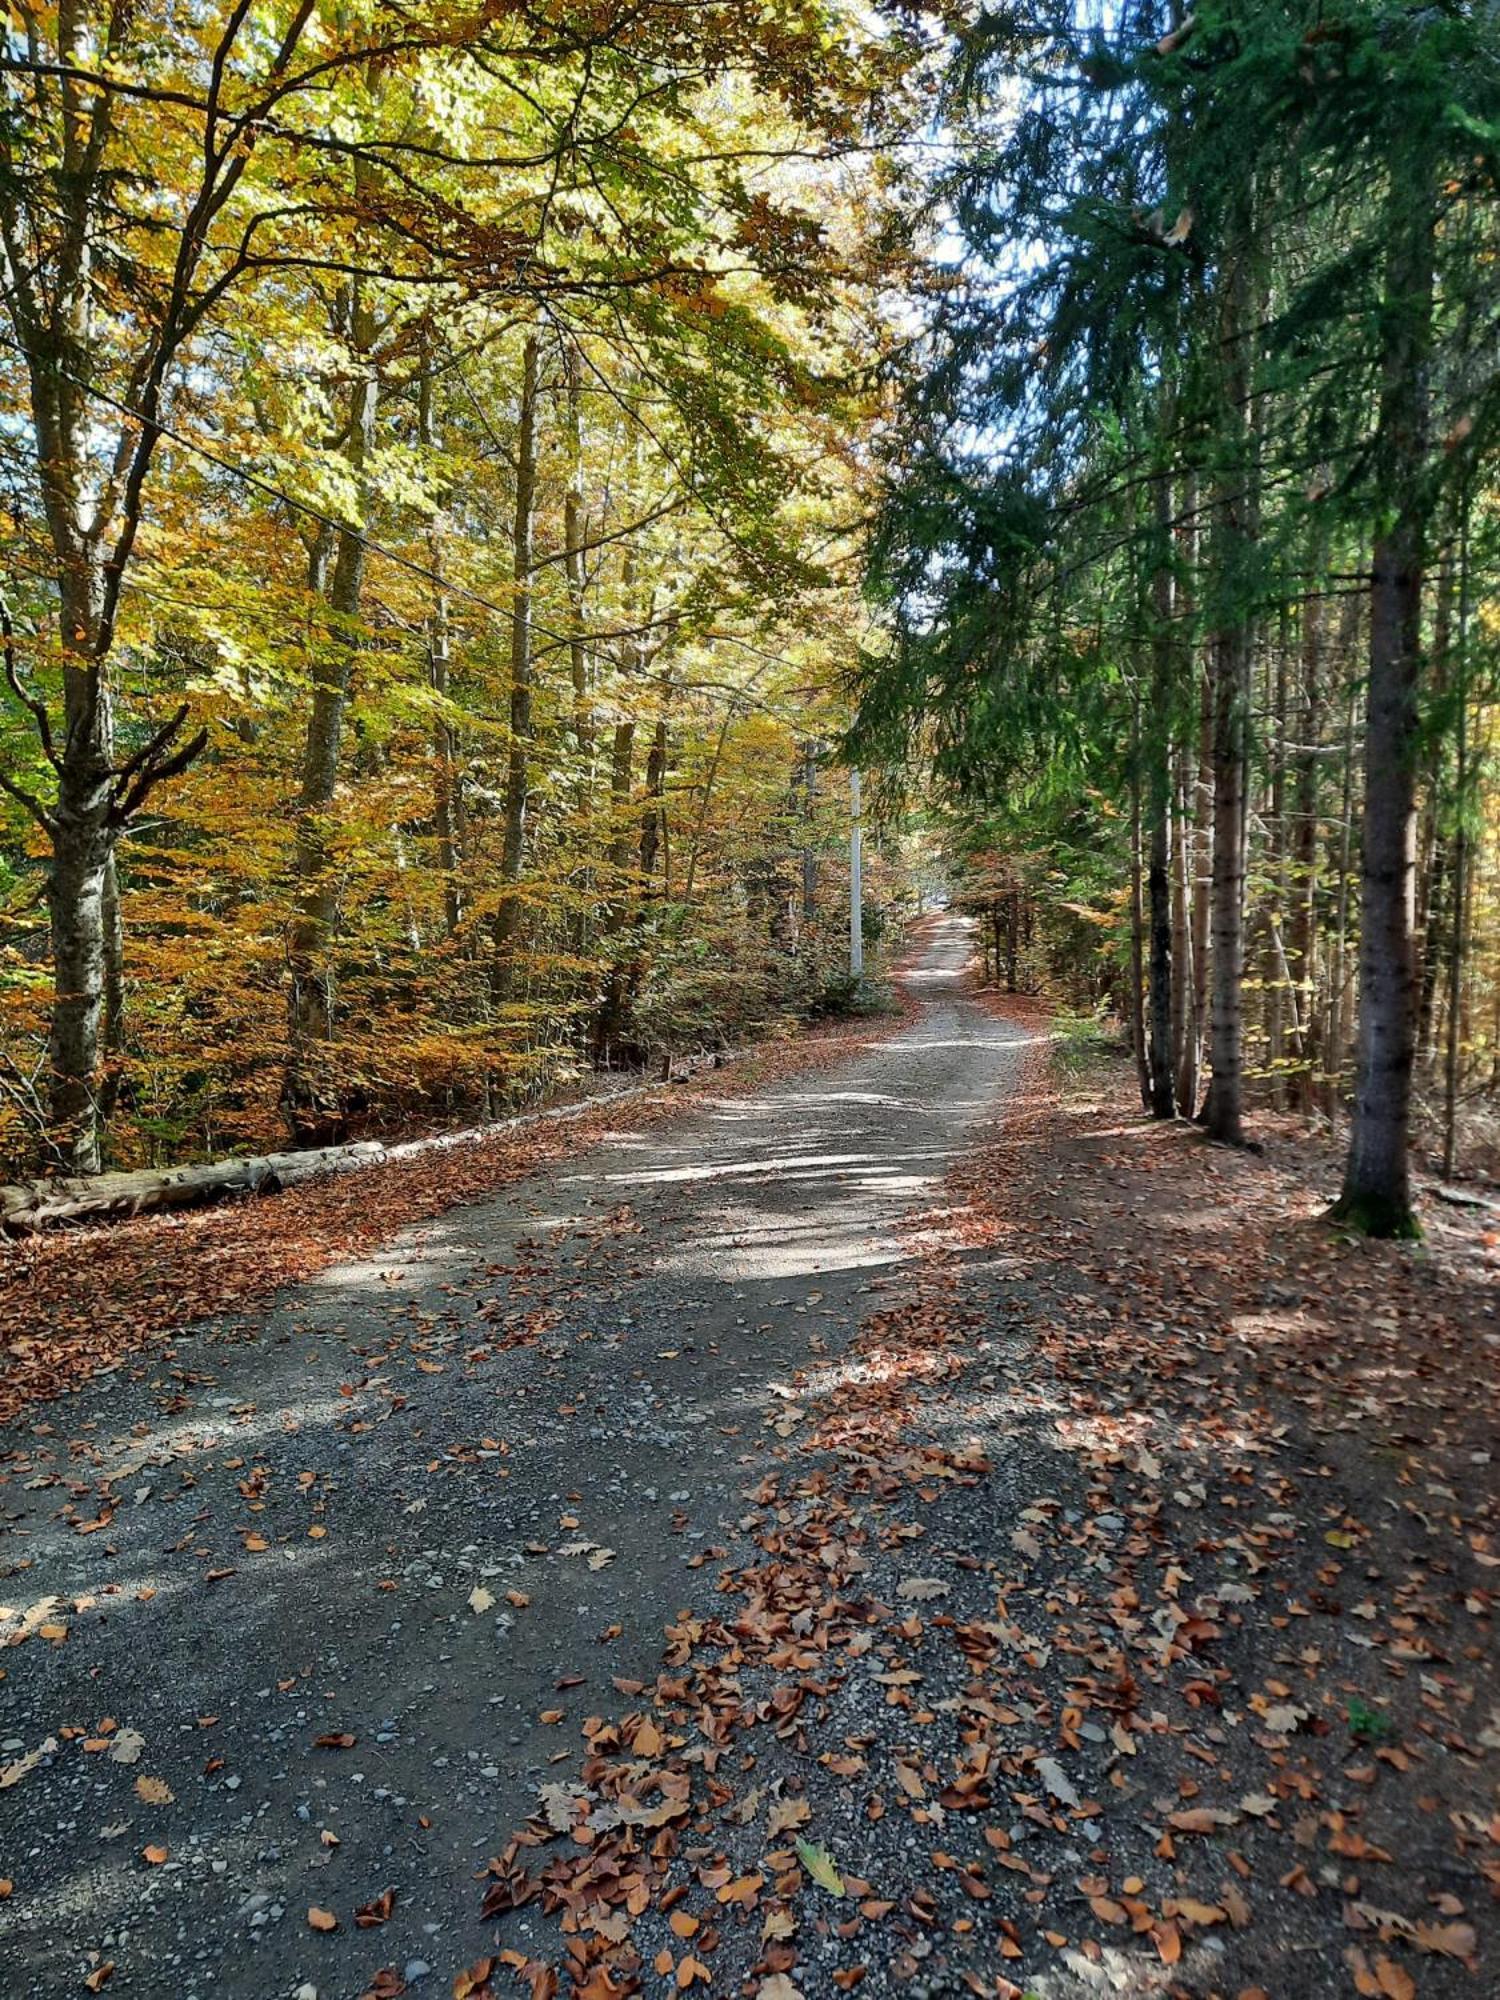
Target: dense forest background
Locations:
point(475, 481)
point(434, 477)
point(1190, 548)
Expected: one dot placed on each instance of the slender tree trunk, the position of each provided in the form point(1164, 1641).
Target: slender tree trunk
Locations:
point(654, 812)
point(1230, 667)
point(447, 800)
point(113, 1033)
point(1434, 860)
point(503, 964)
point(575, 569)
point(311, 1100)
point(1376, 1196)
point(1223, 1114)
point(447, 793)
point(1462, 869)
point(809, 849)
point(1201, 786)
point(1433, 925)
point(609, 1023)
point(1283, 1027)
point(1159, 765)
point(1334, 1036)
point(1136, 1016)
point(1183, 968)
point(1304, 932)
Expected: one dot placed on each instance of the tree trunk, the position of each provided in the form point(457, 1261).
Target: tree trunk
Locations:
point(447, 798)
point(113, 1030)
point(1433, 856)
point(576, 572)
point(311, 1099)
point(809, 849)
point(654, 814)
point(1376, 1196)
point(1305, 841)
point(503, 964)
point(1334, 1035)
point(1136, 1017)
point(83, 841)
point(1159, 764)
point(1200, 785)
point(1282, 1025)
point(610, 1020)
point(1230, 666)
point(76, 906)
point(1223, 1113)
point(1453, 1052)
point(1184, 970)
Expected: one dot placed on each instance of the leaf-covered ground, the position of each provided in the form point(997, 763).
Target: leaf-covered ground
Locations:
point(912, 1528)
point(74, 1302)
point(1122, 1621)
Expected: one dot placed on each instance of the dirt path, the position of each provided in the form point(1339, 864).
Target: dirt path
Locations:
point(301, 1606)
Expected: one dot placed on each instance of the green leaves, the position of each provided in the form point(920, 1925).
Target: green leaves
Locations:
point(820, 1866)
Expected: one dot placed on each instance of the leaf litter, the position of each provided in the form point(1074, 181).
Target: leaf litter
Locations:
point(1205, 1716)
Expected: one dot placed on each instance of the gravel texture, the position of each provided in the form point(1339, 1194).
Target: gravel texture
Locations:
point(421, 1504)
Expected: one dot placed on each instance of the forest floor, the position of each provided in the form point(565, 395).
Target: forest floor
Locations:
point(905, 1526)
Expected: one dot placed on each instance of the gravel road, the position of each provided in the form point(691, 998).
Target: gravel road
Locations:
point(320, 1581)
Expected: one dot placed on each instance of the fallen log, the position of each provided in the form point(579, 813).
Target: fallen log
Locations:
point(29, 1206)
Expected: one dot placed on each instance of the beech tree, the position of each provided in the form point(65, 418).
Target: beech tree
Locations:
point(267, 278)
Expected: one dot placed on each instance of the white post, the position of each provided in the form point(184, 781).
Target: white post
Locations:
point(856, 882)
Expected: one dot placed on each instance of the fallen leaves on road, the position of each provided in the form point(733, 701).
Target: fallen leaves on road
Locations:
point(1196, 1662)
point(75, 1301)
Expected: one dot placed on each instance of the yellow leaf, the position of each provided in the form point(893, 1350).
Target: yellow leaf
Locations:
point(819, 1864)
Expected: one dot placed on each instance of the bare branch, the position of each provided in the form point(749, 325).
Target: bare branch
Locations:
point(33, 703)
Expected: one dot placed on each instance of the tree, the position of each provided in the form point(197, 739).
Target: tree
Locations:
point(297, 547)
point(303, 163)
point(1215, 256)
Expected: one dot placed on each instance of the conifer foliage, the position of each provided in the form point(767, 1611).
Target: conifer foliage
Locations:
point(1190, 539)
